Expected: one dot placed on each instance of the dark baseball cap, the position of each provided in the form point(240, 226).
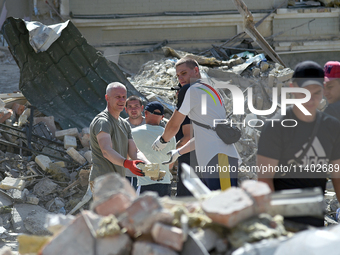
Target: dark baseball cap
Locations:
point(332, 70)
point(152, 106)
point(308, 73)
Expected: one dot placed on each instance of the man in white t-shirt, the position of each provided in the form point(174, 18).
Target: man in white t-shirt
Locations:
point(143, 136)
point(217, 162)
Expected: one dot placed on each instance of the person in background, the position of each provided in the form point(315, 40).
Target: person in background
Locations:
point(143, 136)
point(211, 151)
point(332, 88)
point(281, 145)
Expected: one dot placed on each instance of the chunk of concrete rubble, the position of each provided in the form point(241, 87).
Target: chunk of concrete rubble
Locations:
point(78, 229)
point(88, 156)
point(150, 170)
point(58, 173)
point(145, 211)
point(45, 187)
point(229, 207)
point(35, 223)
point(5, 199)
point(56, 222)
point(207, 237)
point(107, 185)
point(12, 183)
point(260, 192)
point(76, 155)
point(145, 248)
point(84, 137)
point(21, 211)
point(71, 132)
point(31, 199)
point(169, 236)
point(70, 141)
point(43, 161)
point(115, 205)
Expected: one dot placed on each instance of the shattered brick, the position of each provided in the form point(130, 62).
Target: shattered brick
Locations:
point(229, 207)
point(169, 236)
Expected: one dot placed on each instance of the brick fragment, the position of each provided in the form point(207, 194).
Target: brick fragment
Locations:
point(169, 236)
point(43, 161)
point(143, 213)
point(70, 141)
point(12, 183)
point(18, 108)
point(84, 137)
point(229, 207)
point(71, 132)
point(75, 155)
point(260, 192)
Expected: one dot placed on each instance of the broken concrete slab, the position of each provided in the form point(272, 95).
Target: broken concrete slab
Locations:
point(45, 187)
point(12, 183)
point(145, 248)
point(21, 211)
point(229, 207)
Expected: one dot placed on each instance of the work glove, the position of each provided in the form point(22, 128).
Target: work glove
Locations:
point(132, 166)
point(159, 144)
point(174, 154)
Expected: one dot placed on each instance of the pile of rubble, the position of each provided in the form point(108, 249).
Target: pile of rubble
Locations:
point(122, 223)
point(53, 180)
point(119, 222)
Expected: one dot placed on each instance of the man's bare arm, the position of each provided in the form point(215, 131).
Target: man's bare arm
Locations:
point(186, 130)
point(266, 177)
point(105, 144)
point(173, 125)
point(135, 153)
point(336, 177)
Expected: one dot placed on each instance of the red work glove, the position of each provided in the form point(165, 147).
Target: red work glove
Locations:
point(132, 166)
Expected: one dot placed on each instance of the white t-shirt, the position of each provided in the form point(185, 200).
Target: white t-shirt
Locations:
point(207, 142)
point(144, 136)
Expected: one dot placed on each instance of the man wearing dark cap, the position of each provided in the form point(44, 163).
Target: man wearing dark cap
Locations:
point(143, 136)
point(310, 147)
point(332, 88)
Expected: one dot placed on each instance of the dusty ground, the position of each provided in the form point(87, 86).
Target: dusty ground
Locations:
point(9, 72)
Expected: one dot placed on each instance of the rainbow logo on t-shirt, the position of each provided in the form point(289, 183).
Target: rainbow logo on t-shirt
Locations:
point(210, 94)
